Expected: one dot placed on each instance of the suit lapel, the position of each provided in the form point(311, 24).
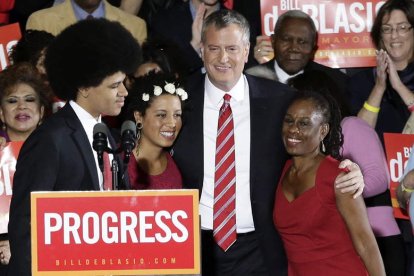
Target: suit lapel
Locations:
point(110, 13)
point(66, 13)
point(197, 127)
point(81, 140)
point(258, 117)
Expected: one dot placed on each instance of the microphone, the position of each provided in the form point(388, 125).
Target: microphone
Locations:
point(128, 136)
point(99, 143)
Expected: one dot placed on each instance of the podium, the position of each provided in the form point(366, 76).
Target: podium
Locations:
point(149, 232)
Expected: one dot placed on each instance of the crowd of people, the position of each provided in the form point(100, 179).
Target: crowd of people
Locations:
point(287, 154)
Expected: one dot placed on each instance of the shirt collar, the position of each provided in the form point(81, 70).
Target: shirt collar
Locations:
point(216, 95)
point(282, 76)
point(82, 114)
point(81, 14)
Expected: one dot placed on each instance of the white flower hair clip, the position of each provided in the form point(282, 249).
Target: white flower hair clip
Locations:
point(157, 90)
point(145, 97)
point(168, 87)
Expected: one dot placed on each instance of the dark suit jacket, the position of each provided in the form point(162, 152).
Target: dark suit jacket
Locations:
point(174, 25)
point(268, 103)
point(267, 70)
point(57, 156)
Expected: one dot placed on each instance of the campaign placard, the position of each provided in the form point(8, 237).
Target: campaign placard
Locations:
point(115, 232)
point(397, 148)
point(8, 158)
point(343, 28)
point(9, 36)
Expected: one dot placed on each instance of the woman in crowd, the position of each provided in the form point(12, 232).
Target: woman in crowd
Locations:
point(23, 100)
point(383, 96)
point(362, 145)
point(155, 104)
point(323, 230)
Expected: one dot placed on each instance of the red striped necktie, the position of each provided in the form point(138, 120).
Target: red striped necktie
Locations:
point(224, 218)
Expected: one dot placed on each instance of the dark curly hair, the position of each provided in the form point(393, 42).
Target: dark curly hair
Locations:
point(25, 73)
point(86, 53)
point(165, 54)
point(319, 81)
point(29, 48)
point(331, 114)
point(406, 6)
point(145, 85)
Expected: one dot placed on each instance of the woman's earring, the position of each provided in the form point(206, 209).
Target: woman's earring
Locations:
point(4, 127)
point(138, 125)
point(323, 147)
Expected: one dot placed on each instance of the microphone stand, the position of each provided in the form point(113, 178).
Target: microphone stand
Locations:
point(114, 169)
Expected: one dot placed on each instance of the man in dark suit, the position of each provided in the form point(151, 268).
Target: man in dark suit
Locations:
point(294, 43)
point(257, 107)
point(58, 156)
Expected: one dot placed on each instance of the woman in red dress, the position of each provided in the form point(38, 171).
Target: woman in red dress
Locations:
point(155, 104)
point(324, 231)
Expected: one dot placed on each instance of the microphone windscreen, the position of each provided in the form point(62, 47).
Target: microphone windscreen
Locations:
point(129, 125)
point(100, 128)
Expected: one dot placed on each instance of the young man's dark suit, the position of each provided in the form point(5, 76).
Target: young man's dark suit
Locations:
point(268, 103)
point(57, 156)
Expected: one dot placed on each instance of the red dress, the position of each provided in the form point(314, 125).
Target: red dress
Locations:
point(140, 180)
point(313, 231)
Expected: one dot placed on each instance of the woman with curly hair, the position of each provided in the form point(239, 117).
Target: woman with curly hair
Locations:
point(24, 100)
point(155, 105)
point(322, 228)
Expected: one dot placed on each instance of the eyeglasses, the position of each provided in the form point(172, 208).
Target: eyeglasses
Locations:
point(402, 28)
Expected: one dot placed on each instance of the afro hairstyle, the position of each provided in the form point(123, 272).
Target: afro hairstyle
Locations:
point(86, 53)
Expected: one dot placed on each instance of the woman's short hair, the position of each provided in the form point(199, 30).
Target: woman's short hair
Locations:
point(406, 6)
point(25, 73)
point(86, 53)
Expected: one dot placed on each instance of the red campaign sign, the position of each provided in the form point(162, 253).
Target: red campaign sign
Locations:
point(343, 27)
point(115, 232)
point(8, 157)
point(397, 148)
point(9, 36)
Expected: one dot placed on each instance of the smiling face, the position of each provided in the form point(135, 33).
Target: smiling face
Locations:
point(303, 128)
point(161, 122)
point(399, 46)
point(224, 53)
point(293, 45)
point(105, 99)
point(20, 111)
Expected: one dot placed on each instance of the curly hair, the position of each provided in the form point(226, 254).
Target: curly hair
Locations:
point(328, 107)
point(86, 53)
point(145, 85)
point(25, 73)
point(321, 82)
point(29, 48)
